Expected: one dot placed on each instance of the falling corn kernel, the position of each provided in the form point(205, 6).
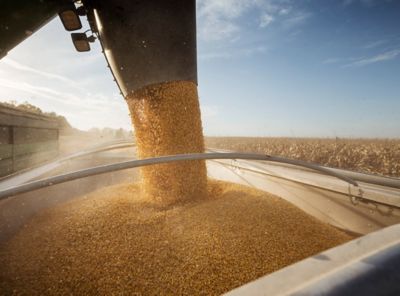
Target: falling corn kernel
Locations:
point(166, 119)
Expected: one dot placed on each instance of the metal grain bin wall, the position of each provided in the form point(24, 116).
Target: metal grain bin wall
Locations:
point(26, 139)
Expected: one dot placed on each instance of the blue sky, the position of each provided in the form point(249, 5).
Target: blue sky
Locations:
point(266, 68)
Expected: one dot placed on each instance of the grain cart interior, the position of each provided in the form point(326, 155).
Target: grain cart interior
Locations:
point(165, 214)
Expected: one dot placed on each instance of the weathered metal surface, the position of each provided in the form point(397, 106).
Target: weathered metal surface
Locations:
point(24, 135)
point(6, 151)
point(323, 197)
point(35, 147)
point(26, 139)
point(364, 266)
point(5, 135)
point(6, 166)
point(14, 117)
point(19, 19)
point(147, 42)
point(42, 170)
point(28, 160)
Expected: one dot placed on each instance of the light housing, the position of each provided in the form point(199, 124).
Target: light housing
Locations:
point(81, 41)
point(70, 18)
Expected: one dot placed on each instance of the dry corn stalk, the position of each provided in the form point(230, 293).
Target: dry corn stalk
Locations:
point(378, 156)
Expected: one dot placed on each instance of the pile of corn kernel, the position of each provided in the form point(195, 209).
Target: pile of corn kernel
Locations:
point(116, 242)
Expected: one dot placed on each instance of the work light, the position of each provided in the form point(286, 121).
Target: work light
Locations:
point(70, 19)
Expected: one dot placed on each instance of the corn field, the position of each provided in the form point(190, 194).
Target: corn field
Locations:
point(376, 156)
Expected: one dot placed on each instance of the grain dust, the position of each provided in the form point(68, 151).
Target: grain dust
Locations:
point(166, 119)
point(115, 242)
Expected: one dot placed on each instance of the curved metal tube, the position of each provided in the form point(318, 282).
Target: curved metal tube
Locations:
point(159, 160)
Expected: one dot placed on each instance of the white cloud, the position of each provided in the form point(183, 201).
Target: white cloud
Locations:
point(215, 55)
point(83, 110)
point(265, 20)
point(339, 60)
point(217, 18)
point(82, 101)
point(368, 3)
point(233, 53)
point(21, 69)
point(285, 11)
point(14, 64)
point(235, 28)
point(296, 19)
point(229, 9)
point(208, 111)
point(45, 92)
point(375, 44)
point(218, 29)
point(220, 20)
point(386, 56)
point(46, 71)
point(332, 61)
